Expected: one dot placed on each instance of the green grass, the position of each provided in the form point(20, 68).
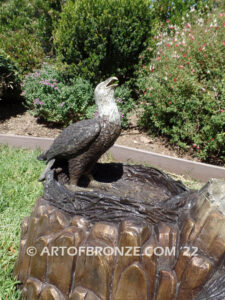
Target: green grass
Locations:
point(19, 188)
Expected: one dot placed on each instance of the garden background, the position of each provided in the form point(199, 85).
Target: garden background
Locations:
point(169, 57)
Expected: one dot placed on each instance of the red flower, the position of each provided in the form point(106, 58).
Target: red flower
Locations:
point(198, 147)
point(170, 102)
point(222, 110)
point(175, 79)
point(181, 67)
point(212, 140)
point(168, 45)
point(167, 21)
point(158, 58)
point(188, 25)
point(223, 24)
point(224, 43)
point(194, 145)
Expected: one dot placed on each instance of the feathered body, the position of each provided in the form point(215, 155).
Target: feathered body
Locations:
point(82, 144)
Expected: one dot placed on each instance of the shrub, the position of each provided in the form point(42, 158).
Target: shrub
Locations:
point(18, 35)
point(172, 11)
point(46, 13)
point(125, 103)
point(23, 48)
point(98, 38)
point(59, 100)
point(54, 99)
point(9, 82)
point(26, 30)
point(183, 90)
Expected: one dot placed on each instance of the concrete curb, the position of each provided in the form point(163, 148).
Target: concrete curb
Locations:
point(193, 169)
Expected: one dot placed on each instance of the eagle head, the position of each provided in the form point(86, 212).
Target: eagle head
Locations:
point(104, 91)
point(105, 101)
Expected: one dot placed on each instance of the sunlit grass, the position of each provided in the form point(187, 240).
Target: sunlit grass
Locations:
point(19, 188)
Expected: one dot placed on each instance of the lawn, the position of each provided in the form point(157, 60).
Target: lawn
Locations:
point(19, 188)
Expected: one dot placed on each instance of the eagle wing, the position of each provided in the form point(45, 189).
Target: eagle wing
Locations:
point(73, 140)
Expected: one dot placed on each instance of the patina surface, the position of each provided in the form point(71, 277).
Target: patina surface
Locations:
point(137, 207)
point(81, 144)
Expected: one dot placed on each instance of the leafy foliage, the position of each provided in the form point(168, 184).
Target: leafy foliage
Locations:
point(23, 48)
point(98, 38)
point(26, 30)
point(46, 13)
point(54, 99)
point(173, 11)
point(183, 89)
point(9, 81)
point(125, 103)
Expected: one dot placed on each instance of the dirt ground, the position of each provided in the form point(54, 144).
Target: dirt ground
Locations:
point(14, 119)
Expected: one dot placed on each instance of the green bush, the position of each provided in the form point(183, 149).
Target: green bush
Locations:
point(26, 30)
point(18, 34)
point(59, 100)
point(173, 11)
point(98, 39)
point(24, 49)
point(54, 99)
point(9, 82)
point(46, 13)
point(125, 103)
point(183, 90)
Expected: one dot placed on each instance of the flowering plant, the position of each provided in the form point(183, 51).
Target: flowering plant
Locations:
point(48, 95)
point(183, 90)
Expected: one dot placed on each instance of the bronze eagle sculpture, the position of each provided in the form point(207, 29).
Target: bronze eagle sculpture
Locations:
point(82, 143)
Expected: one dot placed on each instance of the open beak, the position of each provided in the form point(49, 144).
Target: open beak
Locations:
point(112, 82)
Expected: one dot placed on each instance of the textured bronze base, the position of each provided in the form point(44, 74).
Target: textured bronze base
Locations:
point(185, 221)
